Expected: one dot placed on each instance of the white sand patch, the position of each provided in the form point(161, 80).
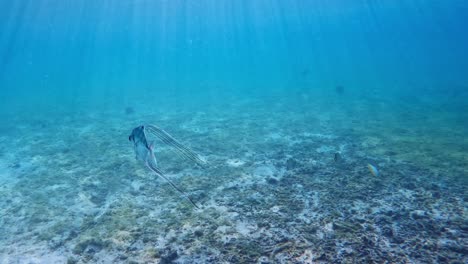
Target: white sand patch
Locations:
point(326, 231)
point(406, 193)
point(244, 228)
point(325, 149)
point(223, 210)
point(136, 185)
point(235, 162)
point(275, 209)
point(264, 171)
point(85, 200)
point(307, 257)
point(38, 253)
point(56, 187)
point(223, 229)
point(274, 136)
point(318, 135)
point(226, 233)
point(8, 177)
point(87, 129)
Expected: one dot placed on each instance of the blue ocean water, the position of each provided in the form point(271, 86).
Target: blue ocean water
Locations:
point(286, 101)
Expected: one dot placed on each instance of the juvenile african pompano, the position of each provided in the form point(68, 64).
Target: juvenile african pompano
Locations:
point(144, 151)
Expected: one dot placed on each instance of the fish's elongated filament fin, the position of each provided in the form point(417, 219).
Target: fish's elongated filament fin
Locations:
point(181, 149)
point(161, 174)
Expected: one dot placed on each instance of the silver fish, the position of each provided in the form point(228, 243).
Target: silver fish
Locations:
point(144, 151)
point(373, 170)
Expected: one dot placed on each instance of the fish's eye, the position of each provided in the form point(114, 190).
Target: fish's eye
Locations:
point(130, 138)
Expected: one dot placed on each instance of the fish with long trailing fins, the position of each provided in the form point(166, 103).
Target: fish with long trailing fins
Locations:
point(144, 151)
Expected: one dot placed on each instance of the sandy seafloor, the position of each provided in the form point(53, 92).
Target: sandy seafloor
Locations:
point(72, 192)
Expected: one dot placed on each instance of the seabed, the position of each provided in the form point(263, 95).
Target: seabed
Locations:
point(72, 192)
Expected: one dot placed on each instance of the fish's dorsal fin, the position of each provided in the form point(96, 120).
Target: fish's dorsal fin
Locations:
point(180, 149)
point(161, 174)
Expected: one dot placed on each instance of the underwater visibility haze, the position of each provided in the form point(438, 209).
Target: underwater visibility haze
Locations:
point(302, 131)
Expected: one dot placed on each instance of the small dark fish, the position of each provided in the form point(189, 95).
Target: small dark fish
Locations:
point(144, 151)
point(339, 89)
point(337, 157)
point(129, 110)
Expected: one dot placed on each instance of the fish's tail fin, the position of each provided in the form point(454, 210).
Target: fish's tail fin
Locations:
point(180, 149)
point(161, 174)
